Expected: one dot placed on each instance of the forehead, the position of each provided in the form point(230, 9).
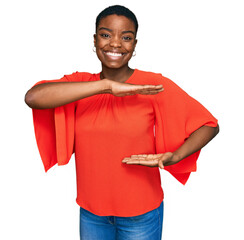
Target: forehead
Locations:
point(115, 22)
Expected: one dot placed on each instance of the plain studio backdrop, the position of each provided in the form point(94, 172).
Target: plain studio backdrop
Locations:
point(197, 44)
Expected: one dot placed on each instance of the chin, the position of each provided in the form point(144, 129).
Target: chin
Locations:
point(114, 66)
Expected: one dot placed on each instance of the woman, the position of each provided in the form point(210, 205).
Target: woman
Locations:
point(122, 124)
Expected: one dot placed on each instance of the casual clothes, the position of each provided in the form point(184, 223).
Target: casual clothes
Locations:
point(103, 129)
point(147, 226)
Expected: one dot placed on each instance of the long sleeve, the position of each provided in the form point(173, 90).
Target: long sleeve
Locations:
point(55, 128)
point(177, 116)
point(54, 131)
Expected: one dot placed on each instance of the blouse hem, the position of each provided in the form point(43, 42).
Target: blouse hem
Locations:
point(121, 215)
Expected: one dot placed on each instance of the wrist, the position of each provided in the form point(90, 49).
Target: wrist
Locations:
point(176, 157)
point(106, 86)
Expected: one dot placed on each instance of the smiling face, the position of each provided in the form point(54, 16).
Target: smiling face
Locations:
point(115, 41)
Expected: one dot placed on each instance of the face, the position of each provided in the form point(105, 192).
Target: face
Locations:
point(115, 41)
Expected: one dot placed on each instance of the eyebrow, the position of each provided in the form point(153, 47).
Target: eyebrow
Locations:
point(128, 32)
point(110, 30)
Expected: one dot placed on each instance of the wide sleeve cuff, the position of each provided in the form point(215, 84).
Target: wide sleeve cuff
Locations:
point(178, 115)
point(54, 132)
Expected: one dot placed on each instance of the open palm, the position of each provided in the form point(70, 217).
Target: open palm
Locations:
point(126, 89)
point(149, 160)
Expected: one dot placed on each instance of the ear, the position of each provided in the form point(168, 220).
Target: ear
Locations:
point(135, 43)
point(95, 39)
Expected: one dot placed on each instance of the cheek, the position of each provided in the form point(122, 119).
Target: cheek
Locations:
point(101, 44)
point(131, 45)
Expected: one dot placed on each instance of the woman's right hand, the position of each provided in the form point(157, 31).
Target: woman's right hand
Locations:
point(119, 89)
point(56, 94)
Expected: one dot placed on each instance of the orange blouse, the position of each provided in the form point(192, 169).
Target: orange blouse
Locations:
point(103, 129)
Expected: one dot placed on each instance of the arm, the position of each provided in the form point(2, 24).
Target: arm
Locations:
point(195, 142)
point(56, 94)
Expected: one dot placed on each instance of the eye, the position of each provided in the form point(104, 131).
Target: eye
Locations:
point(104, 35)
point(127, 38)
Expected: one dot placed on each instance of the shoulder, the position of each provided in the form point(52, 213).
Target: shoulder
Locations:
point(171, 89)
point(147, 77)
point(73, 77)
point(81, 76)
point(153, 78)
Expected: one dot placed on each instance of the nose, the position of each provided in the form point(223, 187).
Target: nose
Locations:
point(115, 42)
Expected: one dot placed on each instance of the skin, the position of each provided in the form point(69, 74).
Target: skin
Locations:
point(195, 142)
point(116, 34)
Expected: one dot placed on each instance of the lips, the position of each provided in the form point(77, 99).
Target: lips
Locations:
point(114, 54)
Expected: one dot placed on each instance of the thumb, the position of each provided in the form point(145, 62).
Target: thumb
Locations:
point(160, 164)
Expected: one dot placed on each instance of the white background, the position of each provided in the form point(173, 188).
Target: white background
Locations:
point(197, 44)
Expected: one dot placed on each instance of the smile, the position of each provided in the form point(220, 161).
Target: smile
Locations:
point(114, 54)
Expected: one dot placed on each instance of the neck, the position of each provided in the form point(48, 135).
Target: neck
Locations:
point(116, 74)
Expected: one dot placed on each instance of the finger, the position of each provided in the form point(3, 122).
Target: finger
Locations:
point(125, 160)
point(152, 163)
point(152, 86)
point(150, 91)
point(142, 157)
point(133, 162)
point(160, 164)
point(148, 86)
point(146, 156)
point(138, 155)
point(134, 159)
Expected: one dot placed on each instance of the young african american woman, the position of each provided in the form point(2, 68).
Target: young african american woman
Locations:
point(123, 125)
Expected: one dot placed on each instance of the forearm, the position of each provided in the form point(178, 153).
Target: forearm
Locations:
point(195, 142)
point(51, 95)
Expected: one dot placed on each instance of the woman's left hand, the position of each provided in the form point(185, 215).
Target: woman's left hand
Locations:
point(195, 142)
point(152, 160)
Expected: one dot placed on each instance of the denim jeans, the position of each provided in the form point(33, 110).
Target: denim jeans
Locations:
point(147, 226)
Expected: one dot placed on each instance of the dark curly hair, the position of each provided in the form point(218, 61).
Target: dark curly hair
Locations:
point(118, 10)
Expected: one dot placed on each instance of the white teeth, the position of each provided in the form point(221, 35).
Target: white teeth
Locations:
point(114, 54)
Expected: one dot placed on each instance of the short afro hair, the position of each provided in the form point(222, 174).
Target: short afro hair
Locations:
point(118, 10)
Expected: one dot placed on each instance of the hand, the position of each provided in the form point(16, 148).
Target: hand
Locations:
point(119, 89)
point(152, 160)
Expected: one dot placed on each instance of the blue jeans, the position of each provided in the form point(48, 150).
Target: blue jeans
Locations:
point(147, 226)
